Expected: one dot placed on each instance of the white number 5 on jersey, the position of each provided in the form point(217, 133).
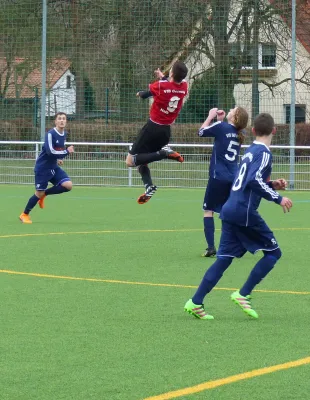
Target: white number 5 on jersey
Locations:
point(233, 152)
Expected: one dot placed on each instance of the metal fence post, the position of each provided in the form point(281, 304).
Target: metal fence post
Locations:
point(293, 99)
point(129, 174)
point(43, 91)
point(37, 150)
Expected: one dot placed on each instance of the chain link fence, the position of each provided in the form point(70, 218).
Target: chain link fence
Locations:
point(99, 53)
point(102, 164)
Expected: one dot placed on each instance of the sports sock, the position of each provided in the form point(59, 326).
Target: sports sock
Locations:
point(261, 269)
point(145, 173)
point(211, 277)
point(209, 230)
point(31, 204)
point(56, 190)
point(145, 158)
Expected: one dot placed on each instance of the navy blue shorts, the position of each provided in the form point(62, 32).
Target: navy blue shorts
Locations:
point(56, 176)
point(216, 195)
point(236, 240)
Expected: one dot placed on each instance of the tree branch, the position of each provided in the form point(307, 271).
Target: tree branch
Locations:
point(235, 24)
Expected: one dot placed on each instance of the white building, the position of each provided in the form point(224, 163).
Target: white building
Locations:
point(25, 82)
point(275, 66)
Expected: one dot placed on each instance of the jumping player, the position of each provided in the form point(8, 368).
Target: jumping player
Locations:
point(47, 167)
point(228, 138)
point(243, 229)
point(151, 143)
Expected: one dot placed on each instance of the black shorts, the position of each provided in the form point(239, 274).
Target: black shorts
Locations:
point(151, 138)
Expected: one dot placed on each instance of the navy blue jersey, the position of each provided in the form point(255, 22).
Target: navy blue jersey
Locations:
point(250, 186)
point(226, 149)
point(52, 150)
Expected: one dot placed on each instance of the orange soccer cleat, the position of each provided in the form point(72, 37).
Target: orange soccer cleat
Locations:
point(25, 218)
point(41, 201)
point(173, 155)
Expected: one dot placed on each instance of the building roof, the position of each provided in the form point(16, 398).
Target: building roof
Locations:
point(303, 23)
point(302, 19)
point(26, 76)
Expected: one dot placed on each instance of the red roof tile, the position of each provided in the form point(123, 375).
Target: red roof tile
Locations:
point(302, 19)
point(25, 76)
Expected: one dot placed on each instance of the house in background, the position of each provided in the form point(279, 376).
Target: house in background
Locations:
point(275, 65)
point(21, 80)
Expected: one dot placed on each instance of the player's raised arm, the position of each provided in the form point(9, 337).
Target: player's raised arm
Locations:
point(144, 94)
point(159, 74)
point(209, 129)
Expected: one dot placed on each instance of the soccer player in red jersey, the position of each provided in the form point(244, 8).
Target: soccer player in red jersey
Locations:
point(151, 143)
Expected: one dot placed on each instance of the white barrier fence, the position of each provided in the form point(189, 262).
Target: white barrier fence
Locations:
point(103, 164)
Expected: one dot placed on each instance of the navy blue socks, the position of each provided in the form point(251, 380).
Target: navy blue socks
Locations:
point(215, 272)
point(209, 230)
point(212, 276)
point(31, 203)
point(56, 190)
point(261, 269)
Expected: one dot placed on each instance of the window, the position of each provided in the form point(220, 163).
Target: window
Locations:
point(68, 86)
point(244, 60)
point(300, 113)
point(268, 55)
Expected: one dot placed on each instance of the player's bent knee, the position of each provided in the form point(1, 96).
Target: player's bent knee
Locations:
point(225, 259)
point(208, 214)
point(129, 161)
point(277, 253)
point(40, 193)
point(68, 185)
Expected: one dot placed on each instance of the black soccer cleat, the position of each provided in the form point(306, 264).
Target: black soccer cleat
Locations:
point(210, 252)
point(147, 195)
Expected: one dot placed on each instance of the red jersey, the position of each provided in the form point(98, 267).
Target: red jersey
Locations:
point(168, 101)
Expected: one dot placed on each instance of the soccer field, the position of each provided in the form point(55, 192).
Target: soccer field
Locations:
point(92, 297)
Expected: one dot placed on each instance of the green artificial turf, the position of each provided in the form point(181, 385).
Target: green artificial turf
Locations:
point(81, 339)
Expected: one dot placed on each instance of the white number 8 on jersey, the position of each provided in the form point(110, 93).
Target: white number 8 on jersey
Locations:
point(238, 182)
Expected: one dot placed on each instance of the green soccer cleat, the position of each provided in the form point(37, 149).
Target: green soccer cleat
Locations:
point(245, 303)
point(196, 310)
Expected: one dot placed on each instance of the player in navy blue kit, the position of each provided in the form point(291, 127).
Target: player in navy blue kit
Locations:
point(228, 138)
point(243, 229)
point(47, 167)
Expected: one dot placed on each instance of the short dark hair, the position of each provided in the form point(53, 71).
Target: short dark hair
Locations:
point(179, 71)
point(59, 113)
point(263, 124)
